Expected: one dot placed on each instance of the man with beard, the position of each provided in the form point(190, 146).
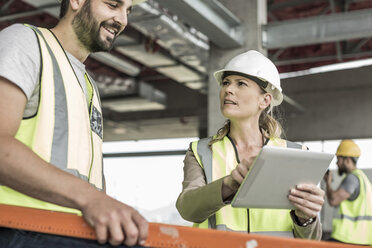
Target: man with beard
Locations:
point(353, 221)
point(51, 125)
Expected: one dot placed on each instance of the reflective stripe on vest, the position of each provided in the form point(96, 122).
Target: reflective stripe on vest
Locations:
point(353, 222)
point(65, 131)
point(276, 222)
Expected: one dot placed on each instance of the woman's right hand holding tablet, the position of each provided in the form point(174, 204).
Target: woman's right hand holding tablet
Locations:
point(232, 182)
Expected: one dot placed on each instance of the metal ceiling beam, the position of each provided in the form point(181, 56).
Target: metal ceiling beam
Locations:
point(282, 5)
point(320, 29)
point(22, 14)
point(111, 60)
point(209, 17)
point(322, 58)
point(359, 45)
point(6, 5)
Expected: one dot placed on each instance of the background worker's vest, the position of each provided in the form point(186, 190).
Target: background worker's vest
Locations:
point(219, 162)
point(353, 222)
point(66, 131)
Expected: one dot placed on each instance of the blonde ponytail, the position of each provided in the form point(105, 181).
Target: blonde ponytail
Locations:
point(270, 126)
point(221, 133)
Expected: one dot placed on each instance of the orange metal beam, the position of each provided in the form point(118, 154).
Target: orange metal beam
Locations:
point(160, 235)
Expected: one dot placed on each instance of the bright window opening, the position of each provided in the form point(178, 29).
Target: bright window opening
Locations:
point(150, 184)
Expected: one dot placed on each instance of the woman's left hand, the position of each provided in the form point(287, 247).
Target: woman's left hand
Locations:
point(308, 200)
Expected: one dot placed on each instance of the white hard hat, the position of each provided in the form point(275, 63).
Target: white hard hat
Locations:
point(255, 65)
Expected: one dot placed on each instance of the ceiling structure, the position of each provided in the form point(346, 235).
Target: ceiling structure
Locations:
point(153, 83)
point(331, 31)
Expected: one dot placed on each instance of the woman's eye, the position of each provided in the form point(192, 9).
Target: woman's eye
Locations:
point(224, 83)
point(241, 83)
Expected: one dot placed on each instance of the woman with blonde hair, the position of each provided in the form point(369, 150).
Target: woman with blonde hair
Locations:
point(215, 167)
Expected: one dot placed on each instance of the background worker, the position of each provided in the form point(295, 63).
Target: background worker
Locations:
point(353, 221)
point(51, 125)
point(215, 167)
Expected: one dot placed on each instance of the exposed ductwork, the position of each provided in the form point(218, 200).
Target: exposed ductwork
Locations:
point(127, 95)
point(189, 49)
point(319, 29)
point(211, 18)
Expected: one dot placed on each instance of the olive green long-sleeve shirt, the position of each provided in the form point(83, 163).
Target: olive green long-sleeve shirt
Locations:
point(199, 200)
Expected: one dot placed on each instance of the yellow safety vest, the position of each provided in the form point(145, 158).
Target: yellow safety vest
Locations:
point(219, 163)
point(66, 131)
point(353, 221)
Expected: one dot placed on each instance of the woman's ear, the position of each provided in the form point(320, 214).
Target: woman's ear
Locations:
point(266, 100)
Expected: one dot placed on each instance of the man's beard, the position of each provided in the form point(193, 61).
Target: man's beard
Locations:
point(87, 30)
point(341, 171)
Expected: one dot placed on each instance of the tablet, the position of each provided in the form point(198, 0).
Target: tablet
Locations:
point(275, 171)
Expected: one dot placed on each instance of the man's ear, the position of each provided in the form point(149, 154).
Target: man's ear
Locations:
point(349, 160)
point(76, 4)
point(266, 100)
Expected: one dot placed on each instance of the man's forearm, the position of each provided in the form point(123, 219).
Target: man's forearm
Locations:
point(329, 192)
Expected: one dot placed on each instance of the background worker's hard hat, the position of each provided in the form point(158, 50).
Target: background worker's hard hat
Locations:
point(255, 64)
point(348, 148)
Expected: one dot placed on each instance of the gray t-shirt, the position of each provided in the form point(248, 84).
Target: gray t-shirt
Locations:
point(351, 185)
point(20, 63)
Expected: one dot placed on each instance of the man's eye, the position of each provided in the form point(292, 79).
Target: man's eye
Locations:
point(112, 5)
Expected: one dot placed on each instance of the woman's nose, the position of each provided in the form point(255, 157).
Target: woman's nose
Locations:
point(229, 89)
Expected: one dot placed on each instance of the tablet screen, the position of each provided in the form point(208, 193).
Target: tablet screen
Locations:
point(275, 171)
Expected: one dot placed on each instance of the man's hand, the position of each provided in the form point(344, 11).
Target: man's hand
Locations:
point(328, 177)
point(308, 200)
point(114, 221)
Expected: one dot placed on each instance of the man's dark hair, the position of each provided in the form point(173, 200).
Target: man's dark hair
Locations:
point(63, 9)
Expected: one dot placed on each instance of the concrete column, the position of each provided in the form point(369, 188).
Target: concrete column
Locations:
point(252, 14)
